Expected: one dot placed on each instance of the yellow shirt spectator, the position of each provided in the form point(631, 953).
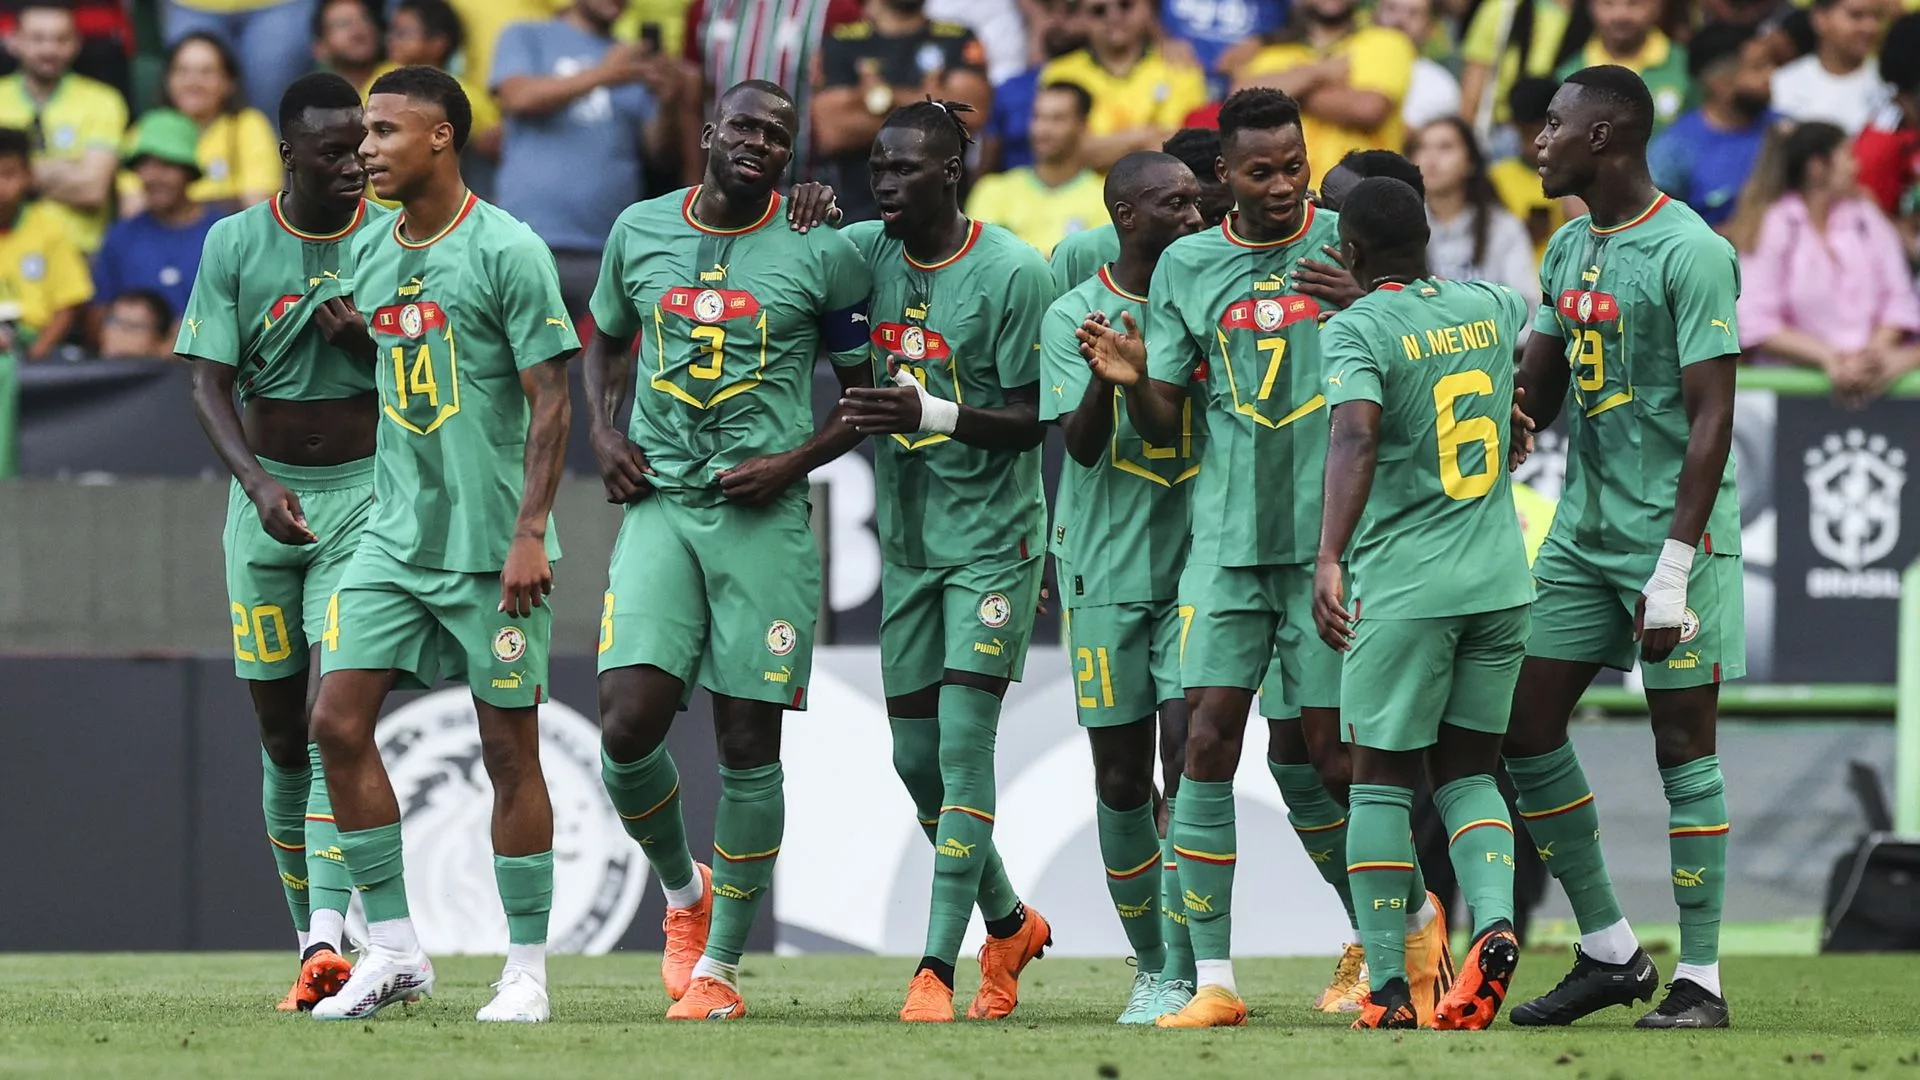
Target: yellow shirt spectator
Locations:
point(1152, 94)
point(81, 116)
point(1518, 185)
point(1042, 216)
point(40, 268)
point(482, 21)
point(1483, 39)
point(239, 161)
point(1378, 59)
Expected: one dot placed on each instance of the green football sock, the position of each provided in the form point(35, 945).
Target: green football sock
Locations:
point(746, 841)
point(1173, 908)
point(526, 892)
point(1480, 846)
point(1205, 847)
point(1319, 822)
point(329, 886)
point(646, 793)
point(916, 759)
point(1381, 861)
point(1556, 805)
point(283, 798)
point(1130, 848)
point(968, 720)
point(379, 874)
point(1697, 840)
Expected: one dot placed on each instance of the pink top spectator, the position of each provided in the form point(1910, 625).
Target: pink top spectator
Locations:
point(1838, 287)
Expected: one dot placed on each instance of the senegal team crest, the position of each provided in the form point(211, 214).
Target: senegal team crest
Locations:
point(1689, 625)
point(1585, 306)
point(411, 324)
point(995, 610)
point(708, 307)
point(913, 343)
point(781, 637)
point(509, 644)
point(1268, 314)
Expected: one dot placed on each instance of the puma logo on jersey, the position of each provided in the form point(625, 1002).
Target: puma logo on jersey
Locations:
point(412, 287)
point(1334, 379)
point(1688, 879)
point(718, 273)
point(193, 327)
point(561, 323)
point(1722, 324)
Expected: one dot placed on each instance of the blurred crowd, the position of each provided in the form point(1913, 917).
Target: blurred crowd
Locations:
point(128, 126)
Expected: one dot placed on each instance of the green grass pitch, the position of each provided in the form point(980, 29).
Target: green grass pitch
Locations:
point(210, 1015)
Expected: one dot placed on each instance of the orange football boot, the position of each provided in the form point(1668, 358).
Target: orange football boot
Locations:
point(686, 930)
point(1388, 1007)
point(1482, 984)
point(708, 999)
point(1349, 983)
point(1212, 1006)
point(1429, 964)
point(321, 976)
point(1001, 961)
point(929, 1001)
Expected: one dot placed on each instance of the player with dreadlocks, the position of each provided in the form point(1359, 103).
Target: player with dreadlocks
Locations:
point(956, 312)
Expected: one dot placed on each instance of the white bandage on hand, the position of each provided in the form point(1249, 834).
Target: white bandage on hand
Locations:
point(938, 416)
point(1666, 590)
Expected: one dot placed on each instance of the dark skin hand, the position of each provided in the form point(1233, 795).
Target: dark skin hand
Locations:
point(342, 326)
point(811, 205)
point(527, 577)
point(1120, 357)
point(623, 467)
point(1353, 450)
point(1328, 282)
point(279, 508)
point(1539, 389)
point(1707, 391)
point(895, 410)
point(759, 481)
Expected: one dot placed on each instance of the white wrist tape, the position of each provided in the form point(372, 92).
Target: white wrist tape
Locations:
point(1666, 590)
point(938, 416)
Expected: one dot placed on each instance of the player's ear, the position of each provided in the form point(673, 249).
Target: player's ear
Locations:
point(442, 136)
point(286, 156)
point(953, 170)
point(706, 136)
point(1600, 135)
point(1220, 169)
point(1123, 215)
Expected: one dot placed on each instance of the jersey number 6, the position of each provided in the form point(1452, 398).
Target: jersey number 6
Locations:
point(1454, 434)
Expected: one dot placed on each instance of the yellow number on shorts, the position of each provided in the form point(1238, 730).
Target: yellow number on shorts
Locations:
point(1089, 658)
point(1185, 449)
point(713, 342)
point(1276, 350)
point(606, 624)
point(415, 380)
point(332, 634)
point(1589, 363)
point(1455, 434)
point(242, 630)
point(266, 626)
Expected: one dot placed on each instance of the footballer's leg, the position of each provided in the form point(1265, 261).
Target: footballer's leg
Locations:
point(1683, 694)
point(1578, 626)
point(1486, 663)
point(762, 574)
point(1319, 820)
point(653, 632)
point(1110, 646)
point(1232, 618)
point(1176, 977)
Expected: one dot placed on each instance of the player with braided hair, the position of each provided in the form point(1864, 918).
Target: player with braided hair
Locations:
point(956, 312)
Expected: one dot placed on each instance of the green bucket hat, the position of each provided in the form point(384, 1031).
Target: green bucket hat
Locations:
point(169, 136)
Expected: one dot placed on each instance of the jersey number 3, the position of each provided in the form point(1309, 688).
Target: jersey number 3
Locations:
point(1456, 434)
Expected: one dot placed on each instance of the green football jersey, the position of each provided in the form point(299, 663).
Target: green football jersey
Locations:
point(1223, 313)
point(1075, 258)
point(255, 269)
point(1440, 535)
point(969, 328)
point(1120, 528)
point(730, 323)
point(455, 319)
point(1635, 304)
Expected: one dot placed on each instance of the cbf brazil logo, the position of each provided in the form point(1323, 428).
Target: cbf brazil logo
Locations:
point(1854, 481)
point(431, 748)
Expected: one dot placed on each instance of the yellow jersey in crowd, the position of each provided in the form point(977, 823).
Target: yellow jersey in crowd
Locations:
point(1041, 215)
point(1378, 59)
point(82, 115)
point(1152, 94)
point(40, 268)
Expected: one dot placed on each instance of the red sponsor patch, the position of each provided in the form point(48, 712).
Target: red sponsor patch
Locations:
point(280, 307)
point(409, 320)
point(1587, 306)
point(912, 342)
point(710, 305)
point(1269, 314)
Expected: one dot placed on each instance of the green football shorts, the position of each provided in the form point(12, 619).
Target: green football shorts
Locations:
point(722, 596)
point(1403, 678)
point(1251, 627)
point(278, 592)
point(1126, 659)
point(977, 617)
point(1583, 611)
point(428, 624)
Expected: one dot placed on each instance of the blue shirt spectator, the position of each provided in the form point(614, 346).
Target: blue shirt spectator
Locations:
point(1212, 26)
point(1704, 157)
point(1012, 115)
point(157, 250)
point(581, 114)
